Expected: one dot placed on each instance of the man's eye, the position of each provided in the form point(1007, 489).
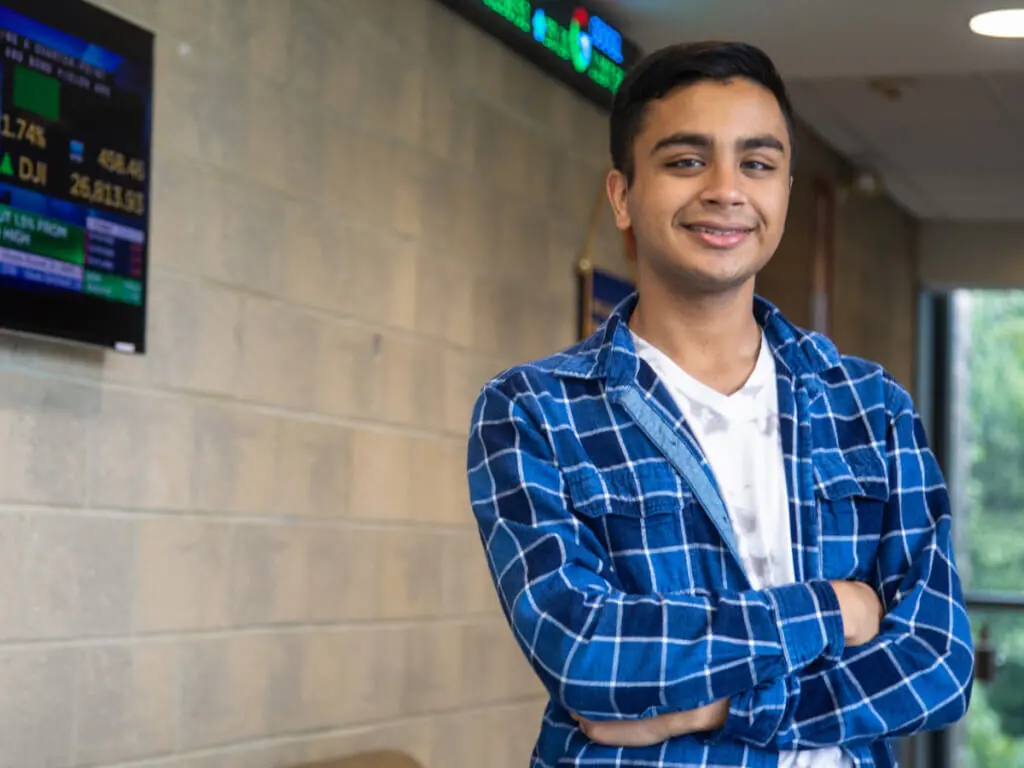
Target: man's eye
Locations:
point(686, 162)
point(757, 165)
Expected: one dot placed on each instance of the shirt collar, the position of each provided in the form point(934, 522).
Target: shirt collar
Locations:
point(609, 353)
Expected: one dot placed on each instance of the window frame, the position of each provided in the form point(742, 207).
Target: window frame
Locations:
point(936, 344)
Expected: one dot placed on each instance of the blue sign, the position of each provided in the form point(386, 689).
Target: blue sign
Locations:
point(601, 293)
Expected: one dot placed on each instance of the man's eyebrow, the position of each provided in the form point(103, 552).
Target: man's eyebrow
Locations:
point(703, 141)
point(765, 141)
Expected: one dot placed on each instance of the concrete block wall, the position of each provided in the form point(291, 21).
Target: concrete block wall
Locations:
point(253, 546)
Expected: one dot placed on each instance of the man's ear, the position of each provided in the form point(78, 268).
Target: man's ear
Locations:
point(618, 193)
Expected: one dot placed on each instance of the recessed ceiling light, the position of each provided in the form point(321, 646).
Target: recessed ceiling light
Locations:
point(1008, 23)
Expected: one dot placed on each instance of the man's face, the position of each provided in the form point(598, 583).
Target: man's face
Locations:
point(711, 185)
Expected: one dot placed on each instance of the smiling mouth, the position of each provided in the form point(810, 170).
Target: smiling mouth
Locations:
point(719, 237)
point(722, 231)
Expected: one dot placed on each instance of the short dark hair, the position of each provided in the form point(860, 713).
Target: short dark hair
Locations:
point(680, 65)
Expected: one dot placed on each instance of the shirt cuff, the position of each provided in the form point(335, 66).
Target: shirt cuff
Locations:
point(810, 623)
point(756, 715)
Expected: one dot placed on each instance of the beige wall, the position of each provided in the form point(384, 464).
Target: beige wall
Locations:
point(875, 278)
point(972, 255)
point(253, 546)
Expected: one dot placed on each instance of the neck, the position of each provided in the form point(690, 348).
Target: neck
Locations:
point(713, 337)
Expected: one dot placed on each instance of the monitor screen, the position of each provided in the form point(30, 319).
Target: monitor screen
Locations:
point(566, 38)
point(76, 105)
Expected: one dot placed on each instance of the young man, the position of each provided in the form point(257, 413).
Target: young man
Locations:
point(718, 541)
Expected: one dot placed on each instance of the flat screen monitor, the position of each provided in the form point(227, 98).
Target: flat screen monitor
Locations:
point(76, 110)
point(566, 38)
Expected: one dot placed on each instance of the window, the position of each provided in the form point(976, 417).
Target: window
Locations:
point(973, 397)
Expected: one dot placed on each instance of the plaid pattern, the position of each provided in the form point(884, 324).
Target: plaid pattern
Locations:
point(628, 602)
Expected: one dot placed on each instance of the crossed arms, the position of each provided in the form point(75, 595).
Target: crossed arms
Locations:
point(804, 665)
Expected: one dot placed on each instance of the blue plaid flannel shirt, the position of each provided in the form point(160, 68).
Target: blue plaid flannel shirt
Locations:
point(628, 601)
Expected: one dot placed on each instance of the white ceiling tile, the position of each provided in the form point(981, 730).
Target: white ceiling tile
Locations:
point(1007, 89)
point(910, 197)
point(825, 121)
point(948, 134)
point(982, 197)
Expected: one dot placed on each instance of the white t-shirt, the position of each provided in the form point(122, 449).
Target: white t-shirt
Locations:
point(739, 434)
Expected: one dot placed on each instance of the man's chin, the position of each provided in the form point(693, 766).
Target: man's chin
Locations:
point(717, 285)
point(717, 275)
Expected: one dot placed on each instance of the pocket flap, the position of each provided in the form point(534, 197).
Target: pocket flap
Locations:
point(857, 472)
point(834, 488)
point(634, 490)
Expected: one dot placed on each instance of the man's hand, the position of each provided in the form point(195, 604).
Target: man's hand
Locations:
point(862, 614)
point(861, 610)
point(655, 730)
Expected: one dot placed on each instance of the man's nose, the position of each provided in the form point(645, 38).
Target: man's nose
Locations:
point(723, 186)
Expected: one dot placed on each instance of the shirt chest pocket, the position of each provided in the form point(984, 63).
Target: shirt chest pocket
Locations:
point(851, 515)
point(639, 518)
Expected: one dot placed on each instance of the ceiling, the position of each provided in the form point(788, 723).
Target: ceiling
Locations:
point(949, 147)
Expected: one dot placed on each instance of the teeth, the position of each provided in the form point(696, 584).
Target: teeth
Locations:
point(716, 231)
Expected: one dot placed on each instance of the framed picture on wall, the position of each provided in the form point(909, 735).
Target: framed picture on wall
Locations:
point(600, 292)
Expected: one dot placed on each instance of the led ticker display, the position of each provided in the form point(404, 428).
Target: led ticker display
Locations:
point(565, 38)
point(75, 126)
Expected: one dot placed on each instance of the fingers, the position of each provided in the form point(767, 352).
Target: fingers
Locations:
point(620, 733)
point(861, 611)
point(585, 726)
